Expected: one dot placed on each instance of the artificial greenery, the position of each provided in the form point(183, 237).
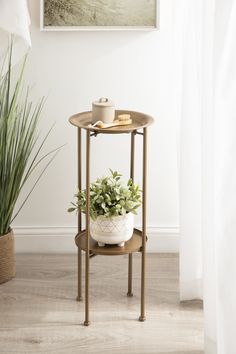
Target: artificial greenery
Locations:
point(19, 155)
point(109, 197)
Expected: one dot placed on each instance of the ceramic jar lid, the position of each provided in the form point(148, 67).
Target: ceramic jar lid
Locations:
point(103, 102)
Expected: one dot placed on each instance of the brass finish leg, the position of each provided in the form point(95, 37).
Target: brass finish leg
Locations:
point(87, 322)
point(130, 262)
point(79, 297)
point(144, 226)
point(130, 266)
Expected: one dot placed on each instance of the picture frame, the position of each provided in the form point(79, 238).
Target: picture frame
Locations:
point(44, 26)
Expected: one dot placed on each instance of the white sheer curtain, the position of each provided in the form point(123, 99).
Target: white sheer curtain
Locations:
point(14, 19)
point(206, 47)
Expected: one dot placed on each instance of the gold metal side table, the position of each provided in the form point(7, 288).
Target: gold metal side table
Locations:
point(83, 240)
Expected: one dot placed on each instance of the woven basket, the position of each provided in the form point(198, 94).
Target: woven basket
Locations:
point(7, 257)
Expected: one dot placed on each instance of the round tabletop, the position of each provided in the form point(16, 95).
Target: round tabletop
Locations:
point(133, 245)
point(139, 121)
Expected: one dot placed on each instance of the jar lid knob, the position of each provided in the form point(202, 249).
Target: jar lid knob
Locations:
point(103, 99)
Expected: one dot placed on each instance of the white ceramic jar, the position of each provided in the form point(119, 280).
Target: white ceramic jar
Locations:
point(112, 230)
point(103, 110)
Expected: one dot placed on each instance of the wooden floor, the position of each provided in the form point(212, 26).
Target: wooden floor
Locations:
point(39, 314)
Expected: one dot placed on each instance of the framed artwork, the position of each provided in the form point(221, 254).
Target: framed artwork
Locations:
point(73, 15)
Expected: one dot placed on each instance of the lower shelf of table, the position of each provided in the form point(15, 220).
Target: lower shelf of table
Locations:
point(133, 245)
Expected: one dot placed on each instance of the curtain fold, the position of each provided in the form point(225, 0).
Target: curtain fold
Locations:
point(207, 165)
point(190, 151)
point(225, 186)
point(15, 20)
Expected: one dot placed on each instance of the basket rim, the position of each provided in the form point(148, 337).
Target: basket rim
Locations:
point(10, 232)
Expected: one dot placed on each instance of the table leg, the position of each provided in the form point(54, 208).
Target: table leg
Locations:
point(144, 226)
point(79, 297)
point(130, 262)
point(87, 322)
point(130, 269)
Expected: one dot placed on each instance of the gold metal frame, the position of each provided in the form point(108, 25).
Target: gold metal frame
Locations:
point(82, 239)
point(79, 143)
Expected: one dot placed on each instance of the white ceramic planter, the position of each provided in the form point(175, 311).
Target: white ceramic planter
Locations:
point(113, 230)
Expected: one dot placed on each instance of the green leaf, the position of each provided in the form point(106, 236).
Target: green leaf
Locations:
point(71, 209)
point(20, 148)
point(109, 197)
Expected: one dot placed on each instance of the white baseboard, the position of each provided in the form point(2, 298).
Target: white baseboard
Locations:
point(163, 239)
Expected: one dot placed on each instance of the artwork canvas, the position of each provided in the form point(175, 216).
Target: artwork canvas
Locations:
point(86, 14)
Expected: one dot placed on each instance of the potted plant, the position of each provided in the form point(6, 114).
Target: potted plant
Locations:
point(20, 151)
point(112, 206)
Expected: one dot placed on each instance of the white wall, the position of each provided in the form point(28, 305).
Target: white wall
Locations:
point(74, 68)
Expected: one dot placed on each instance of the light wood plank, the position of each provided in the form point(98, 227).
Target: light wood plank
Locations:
point(39, 314)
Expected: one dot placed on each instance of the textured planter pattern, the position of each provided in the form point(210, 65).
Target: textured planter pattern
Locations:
point(113, 230)
point(7, 257)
